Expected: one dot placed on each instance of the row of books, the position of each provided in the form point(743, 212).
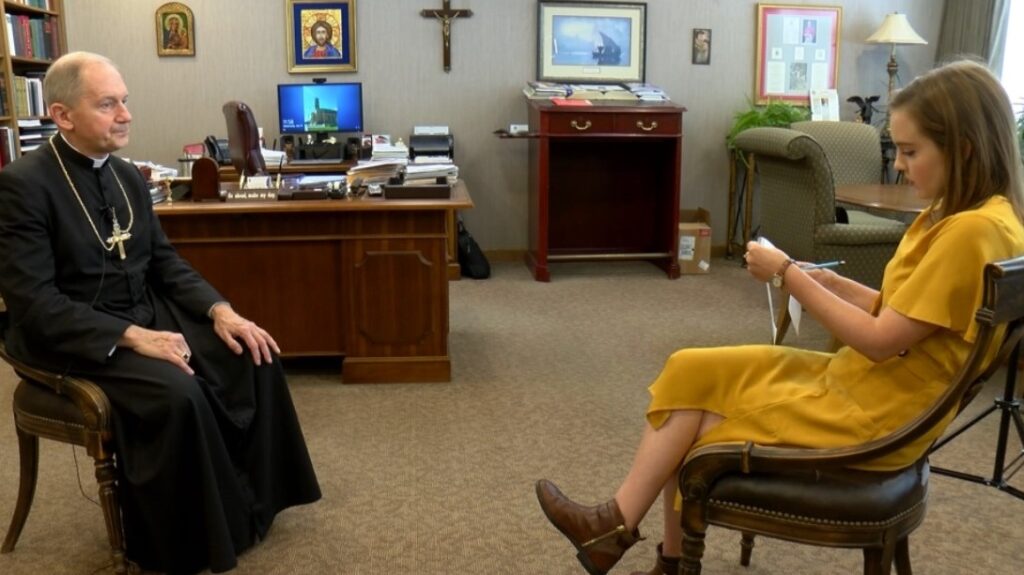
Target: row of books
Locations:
point(32, 36)
point(28, 96)
point(41, 4)
point(33, 133)
point(7, 149)
point(630, 91)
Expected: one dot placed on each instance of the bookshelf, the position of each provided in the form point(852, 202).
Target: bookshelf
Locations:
point(31, 36)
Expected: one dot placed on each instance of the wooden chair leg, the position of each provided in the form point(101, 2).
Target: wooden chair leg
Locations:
point(107, 480)
point(903, 557)
point(693, 552)
point(746, 548)
point(28, 453)
point(873, 561)
point(782, 322)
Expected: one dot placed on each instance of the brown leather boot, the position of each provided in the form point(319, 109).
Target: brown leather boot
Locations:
point(598, 533)
point(663, 566)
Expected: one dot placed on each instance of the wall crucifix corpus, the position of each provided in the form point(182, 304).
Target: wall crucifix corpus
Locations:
point(445, 15)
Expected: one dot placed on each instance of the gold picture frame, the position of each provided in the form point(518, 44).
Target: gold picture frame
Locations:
point(175, 30)
point(797, 52)
point(321, 36)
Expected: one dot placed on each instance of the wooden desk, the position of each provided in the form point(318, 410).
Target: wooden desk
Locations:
point(891, 197)
point(228, 174)
point(365, 279)
point(604, 183)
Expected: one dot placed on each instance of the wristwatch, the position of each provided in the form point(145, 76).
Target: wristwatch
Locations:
point(779, 279)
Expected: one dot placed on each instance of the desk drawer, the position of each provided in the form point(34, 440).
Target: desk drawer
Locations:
point(581, 123)
point(647, 123)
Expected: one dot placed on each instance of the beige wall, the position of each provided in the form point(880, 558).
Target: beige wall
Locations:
point(240, 54)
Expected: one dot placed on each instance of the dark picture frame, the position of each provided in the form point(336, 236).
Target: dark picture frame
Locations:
point(175, 30)
point(797, 52)
point(321, 36)
point(701, 46)
point(600, 42)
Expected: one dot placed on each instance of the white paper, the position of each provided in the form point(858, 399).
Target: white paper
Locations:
point(795, 309)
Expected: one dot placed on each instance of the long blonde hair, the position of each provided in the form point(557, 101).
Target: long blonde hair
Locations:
point(964, 109)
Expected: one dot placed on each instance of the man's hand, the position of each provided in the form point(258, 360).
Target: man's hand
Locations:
point(231, 327)
point(165, 345)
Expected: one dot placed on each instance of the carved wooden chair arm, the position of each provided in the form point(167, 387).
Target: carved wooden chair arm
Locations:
point(85, 394)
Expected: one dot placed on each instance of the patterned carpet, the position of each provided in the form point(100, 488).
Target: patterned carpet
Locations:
point(549, 380)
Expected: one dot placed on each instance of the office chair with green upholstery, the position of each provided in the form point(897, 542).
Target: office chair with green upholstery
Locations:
point(812, 496)
point(854, 151)
point(798, 207)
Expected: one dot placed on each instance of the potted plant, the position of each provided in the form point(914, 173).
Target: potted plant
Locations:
point(776, 113)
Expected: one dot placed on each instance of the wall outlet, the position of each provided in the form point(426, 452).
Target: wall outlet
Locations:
point(518, 129)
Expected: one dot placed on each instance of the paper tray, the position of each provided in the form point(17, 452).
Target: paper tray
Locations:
point(418, 192)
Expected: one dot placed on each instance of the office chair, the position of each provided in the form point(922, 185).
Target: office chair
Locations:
point(812, 496)
point(854, 151)
point(70, 410)
point(244, 139)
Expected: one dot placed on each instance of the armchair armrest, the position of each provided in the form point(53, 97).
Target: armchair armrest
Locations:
point(86, 395)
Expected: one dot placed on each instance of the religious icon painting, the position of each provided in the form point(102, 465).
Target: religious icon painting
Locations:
point(175, 30)
point(321, 36)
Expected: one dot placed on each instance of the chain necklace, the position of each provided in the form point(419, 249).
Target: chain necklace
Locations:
point(117, 235)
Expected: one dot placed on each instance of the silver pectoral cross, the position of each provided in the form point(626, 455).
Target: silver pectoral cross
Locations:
point(118, 237)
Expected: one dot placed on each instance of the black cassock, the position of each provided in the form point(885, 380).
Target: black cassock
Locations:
point(206, 461)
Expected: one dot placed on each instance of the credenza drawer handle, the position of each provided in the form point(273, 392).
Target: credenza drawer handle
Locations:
point(640, 124)
point(581, 127)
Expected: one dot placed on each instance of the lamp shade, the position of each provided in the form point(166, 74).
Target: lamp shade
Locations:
point(895, 29)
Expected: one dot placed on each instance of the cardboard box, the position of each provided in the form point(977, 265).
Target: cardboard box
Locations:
point(694, 241)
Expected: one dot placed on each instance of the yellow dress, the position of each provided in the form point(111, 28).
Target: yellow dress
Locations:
point(775, 395)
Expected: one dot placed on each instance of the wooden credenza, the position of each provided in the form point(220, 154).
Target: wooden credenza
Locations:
point(604, 183)
point(365, 279)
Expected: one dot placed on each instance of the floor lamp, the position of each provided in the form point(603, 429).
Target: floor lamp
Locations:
point(895, 29)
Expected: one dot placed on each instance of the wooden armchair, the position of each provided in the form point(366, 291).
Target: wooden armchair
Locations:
point(811, 496)
point(69, 410)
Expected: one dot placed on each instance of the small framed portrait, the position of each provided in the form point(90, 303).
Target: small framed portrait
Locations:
point(598, 42)
point(321, 36)
point(175, 30)
point(701, 46)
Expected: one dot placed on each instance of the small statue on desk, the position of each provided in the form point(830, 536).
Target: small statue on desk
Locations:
point(865, 108)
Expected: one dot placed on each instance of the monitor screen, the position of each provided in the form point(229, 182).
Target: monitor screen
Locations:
point(305, 108)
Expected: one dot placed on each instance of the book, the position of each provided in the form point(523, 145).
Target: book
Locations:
point(568, 102)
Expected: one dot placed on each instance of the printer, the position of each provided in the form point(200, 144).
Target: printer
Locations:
point(427, 146)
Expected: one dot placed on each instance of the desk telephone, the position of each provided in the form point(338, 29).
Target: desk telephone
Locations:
point(217, 148)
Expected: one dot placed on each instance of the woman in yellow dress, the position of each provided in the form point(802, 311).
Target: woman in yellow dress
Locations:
point(956, 144)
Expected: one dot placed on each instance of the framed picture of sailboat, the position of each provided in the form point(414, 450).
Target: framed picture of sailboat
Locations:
point(600, 42)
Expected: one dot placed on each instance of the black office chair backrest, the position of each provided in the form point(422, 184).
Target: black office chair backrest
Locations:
point(243, 139)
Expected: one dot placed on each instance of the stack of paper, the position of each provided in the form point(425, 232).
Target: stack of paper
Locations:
point(646, 92)
point(375, 171)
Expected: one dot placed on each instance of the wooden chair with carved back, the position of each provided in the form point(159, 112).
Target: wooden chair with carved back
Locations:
point(812, 496)
point(69, 410)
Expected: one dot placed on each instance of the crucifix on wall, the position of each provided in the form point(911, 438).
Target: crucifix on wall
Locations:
point(445, 16)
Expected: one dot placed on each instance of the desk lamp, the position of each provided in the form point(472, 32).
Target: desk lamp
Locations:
point(894, 30)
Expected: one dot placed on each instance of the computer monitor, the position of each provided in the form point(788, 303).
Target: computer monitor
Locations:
point(320, 108)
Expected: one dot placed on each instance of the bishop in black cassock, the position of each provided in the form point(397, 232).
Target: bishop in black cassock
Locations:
point(206, 460)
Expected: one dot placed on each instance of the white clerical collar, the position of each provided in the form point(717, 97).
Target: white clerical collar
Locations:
point(96, 164)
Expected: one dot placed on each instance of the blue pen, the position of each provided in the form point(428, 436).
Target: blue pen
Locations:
point(832, 264)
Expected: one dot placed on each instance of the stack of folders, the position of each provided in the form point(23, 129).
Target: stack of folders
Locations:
point(375, 171)
point(429, 173)
point(545, 90)
point(390, 151)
